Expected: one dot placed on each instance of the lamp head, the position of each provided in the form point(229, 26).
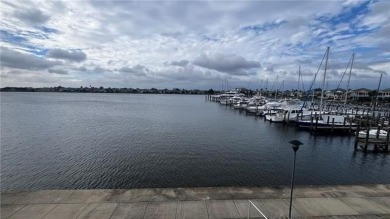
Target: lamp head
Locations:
point(295, 144)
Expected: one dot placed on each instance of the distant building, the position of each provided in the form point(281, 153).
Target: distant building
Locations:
point(329, 95)
point(339, 94)
point(384, 93)
point(298, 94)
point(360, 93)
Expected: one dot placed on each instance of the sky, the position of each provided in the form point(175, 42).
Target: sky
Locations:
point(194, 44)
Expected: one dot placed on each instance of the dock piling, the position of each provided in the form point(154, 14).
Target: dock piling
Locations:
point(311, 122)
point(332, 125)
point(357, 135)
point(387, 141)
point(367, 136)
point(350, 124)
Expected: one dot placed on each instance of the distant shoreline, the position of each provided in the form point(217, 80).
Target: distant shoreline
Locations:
point(98, 92)
point(60, 89)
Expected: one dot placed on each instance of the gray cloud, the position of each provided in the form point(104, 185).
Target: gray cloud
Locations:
point(10, 74)
point(188, 74)
point(137, 70)
point(14, 59)
point(70, 55)
point(81, 68)
point(99, 69)
point(334, 73)
point(365, 67)
point(231, 64)
point(32, 16)
point(57, 71)
point(181, 63)
point(306, 73)
point(269, 69)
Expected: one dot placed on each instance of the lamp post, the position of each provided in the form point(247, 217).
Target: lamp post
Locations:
point(295, 147)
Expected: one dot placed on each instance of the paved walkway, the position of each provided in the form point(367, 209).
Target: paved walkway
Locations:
point(356, 201)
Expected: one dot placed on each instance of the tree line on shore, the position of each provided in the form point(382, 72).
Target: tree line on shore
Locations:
point(248, 92)
point(91, 89)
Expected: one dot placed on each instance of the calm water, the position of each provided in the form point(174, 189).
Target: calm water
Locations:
point(74, 141)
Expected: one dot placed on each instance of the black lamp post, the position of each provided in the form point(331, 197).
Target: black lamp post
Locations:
point(295, 147)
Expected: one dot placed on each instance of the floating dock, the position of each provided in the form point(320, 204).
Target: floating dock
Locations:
point(343, 201)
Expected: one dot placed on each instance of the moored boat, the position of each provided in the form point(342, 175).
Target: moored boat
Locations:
point(373, 134)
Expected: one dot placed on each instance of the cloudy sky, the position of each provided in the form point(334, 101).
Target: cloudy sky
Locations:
point(193, 44)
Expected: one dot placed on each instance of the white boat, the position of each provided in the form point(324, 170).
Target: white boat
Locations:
point(275, 115)
point(224, 101)
point(242, 104)
point(230, 97)
point(301, 114)
point(373, 133)
point(290, 115)
point(265, 107)
point(236, 99)
point(256, 105)
point(254, 108)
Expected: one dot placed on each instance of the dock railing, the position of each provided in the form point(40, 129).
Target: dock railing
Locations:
point(254, 206)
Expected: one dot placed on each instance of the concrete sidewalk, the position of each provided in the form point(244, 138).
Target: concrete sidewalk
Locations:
point(356, 201)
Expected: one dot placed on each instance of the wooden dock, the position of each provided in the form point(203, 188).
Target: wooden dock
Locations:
point(375, 144)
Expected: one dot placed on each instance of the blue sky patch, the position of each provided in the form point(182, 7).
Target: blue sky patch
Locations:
point(12, 38)
point(48, 30)
point(22, 41)
point(347, 15)
point(259, 28)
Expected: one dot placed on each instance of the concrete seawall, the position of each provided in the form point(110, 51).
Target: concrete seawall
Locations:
point(351, 201)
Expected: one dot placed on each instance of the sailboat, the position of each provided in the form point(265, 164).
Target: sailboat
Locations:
point(323, 120)
point(289, 111)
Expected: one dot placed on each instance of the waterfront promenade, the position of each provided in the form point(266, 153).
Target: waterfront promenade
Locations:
point(352, 201)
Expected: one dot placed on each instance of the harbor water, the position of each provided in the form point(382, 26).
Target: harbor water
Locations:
point(123, 141)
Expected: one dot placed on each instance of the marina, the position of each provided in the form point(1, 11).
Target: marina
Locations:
point(334, 120)
point(321, 115)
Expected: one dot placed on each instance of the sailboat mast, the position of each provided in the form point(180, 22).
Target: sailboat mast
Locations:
point(377, 93)
point(323, 82)
point(299, 80)
point(349, 79)
point(261, 87)
point(312, 99)
point(276, 93)
point(227, 85)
